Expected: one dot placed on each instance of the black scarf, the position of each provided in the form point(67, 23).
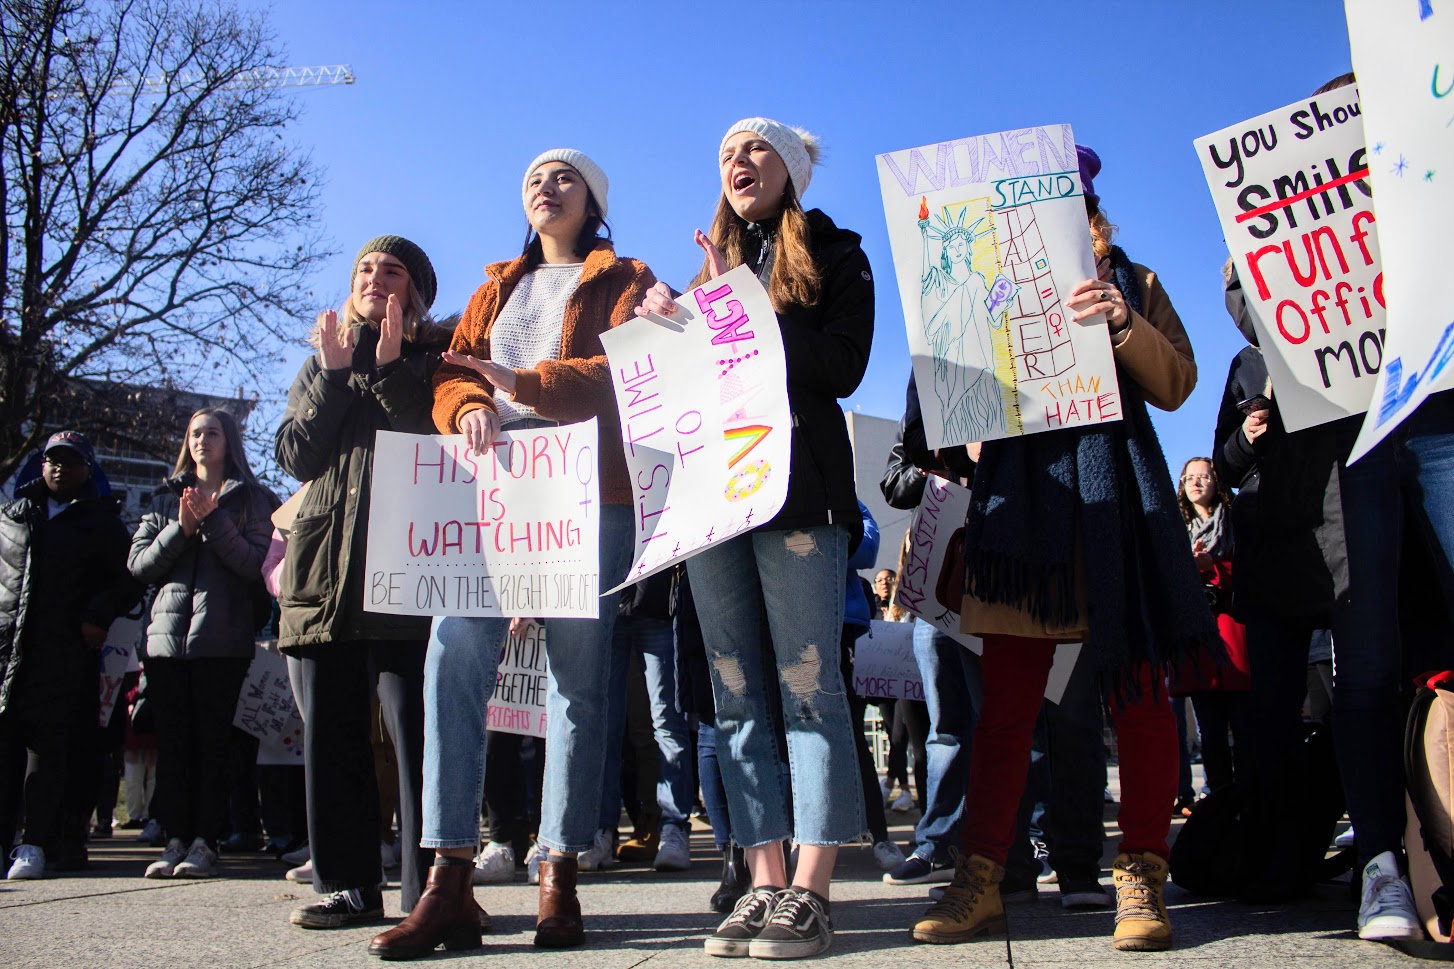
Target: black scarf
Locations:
point(1107, 485)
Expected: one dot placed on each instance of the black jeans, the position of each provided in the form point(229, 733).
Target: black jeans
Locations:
point(194, 701)
point(34, 748)
point(343, 805)
point(1217, 712)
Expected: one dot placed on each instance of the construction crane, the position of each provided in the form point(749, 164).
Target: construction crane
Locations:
point(262, 77)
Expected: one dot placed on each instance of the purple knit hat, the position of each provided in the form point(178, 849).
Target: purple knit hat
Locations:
point(1090, 167)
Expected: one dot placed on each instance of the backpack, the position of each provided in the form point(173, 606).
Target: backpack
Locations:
point(1214, 852)
point(1429, 835)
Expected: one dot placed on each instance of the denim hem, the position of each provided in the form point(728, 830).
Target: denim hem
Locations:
point(435, 843)
point(563, 850)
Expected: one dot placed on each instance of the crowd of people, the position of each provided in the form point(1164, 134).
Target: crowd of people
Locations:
point(718, 680)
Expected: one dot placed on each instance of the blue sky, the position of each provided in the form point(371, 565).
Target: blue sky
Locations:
point(454, 99)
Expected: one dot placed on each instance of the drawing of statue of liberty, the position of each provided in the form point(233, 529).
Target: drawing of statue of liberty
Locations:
point(954, 304)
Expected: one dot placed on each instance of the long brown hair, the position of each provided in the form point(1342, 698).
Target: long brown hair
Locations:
point(237, 466)
point(896, 611)
point(1188, 511)
point(795, 280)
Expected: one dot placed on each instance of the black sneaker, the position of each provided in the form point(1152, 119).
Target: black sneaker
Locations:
point(918, 870)
point(798, 927)
point(1083, 892)
point(340, 909)
point(739, 929)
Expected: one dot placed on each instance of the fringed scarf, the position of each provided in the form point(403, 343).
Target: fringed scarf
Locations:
point(1110, 482)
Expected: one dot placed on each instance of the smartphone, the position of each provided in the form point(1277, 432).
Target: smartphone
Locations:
point(1256, 402)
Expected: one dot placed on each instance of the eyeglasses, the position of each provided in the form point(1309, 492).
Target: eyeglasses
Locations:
point(1196, 478)
point(66, 461)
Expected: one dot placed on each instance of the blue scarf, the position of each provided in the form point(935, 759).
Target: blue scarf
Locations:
point(1110, 483)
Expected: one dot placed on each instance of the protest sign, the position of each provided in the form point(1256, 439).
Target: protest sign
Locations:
point(989, 236)
point(518, 703)
point(512, 532)
point(265, 709)
point(931, 585)
point(704, 419)
point(118, 657)
point(1291, 190)
point(1408, 119)
point(883, 663)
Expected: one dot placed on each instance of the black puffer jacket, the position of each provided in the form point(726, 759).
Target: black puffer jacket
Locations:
point(827, 348)
point(1289, 561)
point(55, 574)
point(203, 606)
point(327, 439)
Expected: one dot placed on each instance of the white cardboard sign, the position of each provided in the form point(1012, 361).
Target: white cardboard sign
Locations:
point(512, 532)
point(705, 420)
point(884, 664)
point(518, 703)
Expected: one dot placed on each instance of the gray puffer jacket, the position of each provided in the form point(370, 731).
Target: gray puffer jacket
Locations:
point(203, 607)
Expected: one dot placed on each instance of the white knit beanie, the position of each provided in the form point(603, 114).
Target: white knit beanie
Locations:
point(596, 179)
point(797, 148)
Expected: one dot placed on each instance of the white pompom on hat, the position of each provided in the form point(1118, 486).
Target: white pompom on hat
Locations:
point(797, 148)
point(595, 178)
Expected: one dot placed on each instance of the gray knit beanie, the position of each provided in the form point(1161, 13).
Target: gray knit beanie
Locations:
point(421, 270)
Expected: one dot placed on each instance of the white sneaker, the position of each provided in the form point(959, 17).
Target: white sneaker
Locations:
point(168, 862)
point(903, 802)
point(888, 855)
point(29, 862)
point(388, 856)
point(601, 854)
point(199, 863)
point(297, 856)
point(532, 864)
point(303, 874)
point(1387, 910)
point(675, 851)
point(495, 864)
point(1346, 840)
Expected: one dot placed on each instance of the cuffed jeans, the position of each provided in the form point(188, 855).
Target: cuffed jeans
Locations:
point(954, 693)
point(1411, 470)
point(794, 581)
point(459, 678)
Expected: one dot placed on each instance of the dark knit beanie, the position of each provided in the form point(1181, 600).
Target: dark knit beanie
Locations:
point(421, 270)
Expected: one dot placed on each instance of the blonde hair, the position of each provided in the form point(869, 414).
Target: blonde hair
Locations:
point(1102, 231)
point(897, 612)
point(795, 280)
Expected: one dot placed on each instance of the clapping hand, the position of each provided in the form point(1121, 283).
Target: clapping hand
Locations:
point(335, 350)
point(391, 333)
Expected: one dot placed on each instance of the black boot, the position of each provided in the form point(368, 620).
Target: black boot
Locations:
point(735, 880)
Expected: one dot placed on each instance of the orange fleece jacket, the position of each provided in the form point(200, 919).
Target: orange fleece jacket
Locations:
point(574, 387)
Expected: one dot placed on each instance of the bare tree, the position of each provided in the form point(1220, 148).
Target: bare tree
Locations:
point(160, 227)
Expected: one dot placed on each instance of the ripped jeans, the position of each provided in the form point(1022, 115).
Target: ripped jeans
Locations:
point(787, 585)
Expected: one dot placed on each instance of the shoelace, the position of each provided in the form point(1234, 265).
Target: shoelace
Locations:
point(790, 907)
point(956, 905)
point(1388, 891)
point(348, 897)
point(751, 907)
point(1135, 898)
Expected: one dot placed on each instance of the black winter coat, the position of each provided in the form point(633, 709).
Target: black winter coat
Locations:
point(327, 439)
point(203, 607)
point(1289, 561)
point(826, 346)
point(56, 574)
point(910, 460)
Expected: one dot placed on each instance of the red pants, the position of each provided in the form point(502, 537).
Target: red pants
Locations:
point(1015, 672)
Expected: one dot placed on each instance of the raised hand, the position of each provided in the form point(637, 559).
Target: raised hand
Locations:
point(391, 333)
point(202, 503)
point(186, 516)
point(335, 350)
point(715, 263)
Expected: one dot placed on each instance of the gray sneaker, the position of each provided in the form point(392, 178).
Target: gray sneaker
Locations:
point(199, 863)
point(798, 927)
point(735, 934)
point(168, 862)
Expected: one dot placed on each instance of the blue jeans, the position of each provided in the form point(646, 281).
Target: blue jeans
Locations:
point(714, 795)
point(459, 678)
point(790, 582)
point(1411, 470)
point(652, 638)
point(953, 690)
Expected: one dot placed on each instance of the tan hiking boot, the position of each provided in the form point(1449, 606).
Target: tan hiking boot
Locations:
point(1142, 924)
point(971, 905)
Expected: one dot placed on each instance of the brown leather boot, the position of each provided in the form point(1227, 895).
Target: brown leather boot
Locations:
point(559, 925)
point(445, 914)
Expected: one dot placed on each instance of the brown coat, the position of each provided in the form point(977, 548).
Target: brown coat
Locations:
point(1154, 351)
point(574, 387)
